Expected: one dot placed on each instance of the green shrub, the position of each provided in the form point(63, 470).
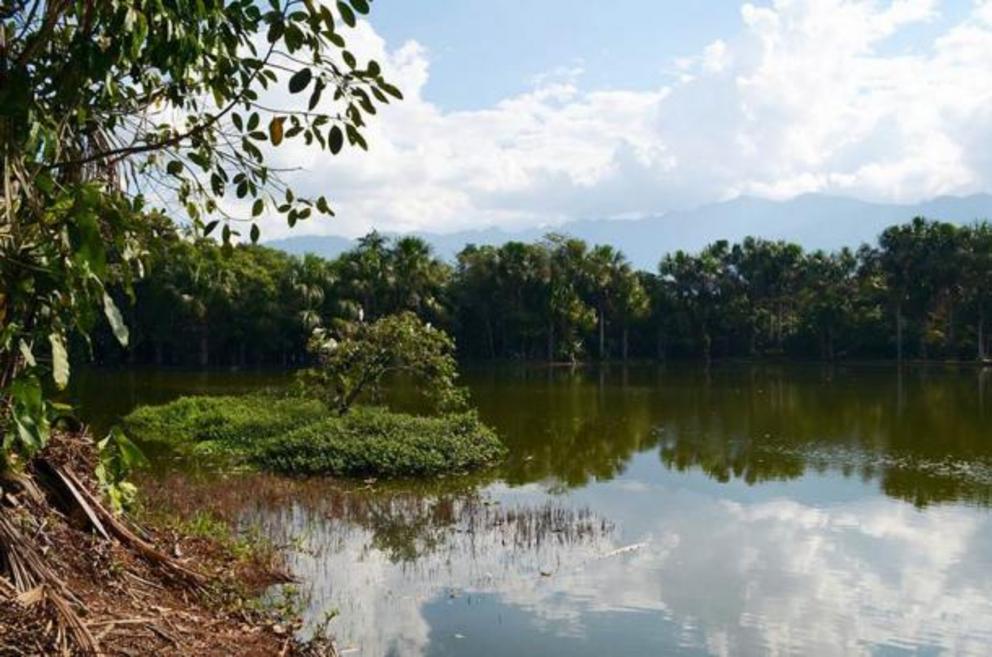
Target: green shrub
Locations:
point(374, 441)
point(299, 436)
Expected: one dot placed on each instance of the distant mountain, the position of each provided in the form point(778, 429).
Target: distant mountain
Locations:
point(326, 246)
point(813, 220)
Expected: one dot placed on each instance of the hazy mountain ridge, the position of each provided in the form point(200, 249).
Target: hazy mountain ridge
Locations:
point(813, 220)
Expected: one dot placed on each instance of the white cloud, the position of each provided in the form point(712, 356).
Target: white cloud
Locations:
point(806, 98)
point(736, 577)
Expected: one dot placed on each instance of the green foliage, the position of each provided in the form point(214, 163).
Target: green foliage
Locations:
point(372, 441)
point(353, 360)
point(297, 436)
point(118, 458)
point(221, 425)
point(561, 299)
point(101, 102)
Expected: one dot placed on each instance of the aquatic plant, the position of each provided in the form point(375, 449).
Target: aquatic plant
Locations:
point(374, 441)
point(301, 436)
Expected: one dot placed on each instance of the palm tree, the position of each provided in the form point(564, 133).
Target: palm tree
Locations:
point(476, 285)
point(418, 278)
point(366, 273)
point(632, 302)
point(978, 279)
point(602, 266)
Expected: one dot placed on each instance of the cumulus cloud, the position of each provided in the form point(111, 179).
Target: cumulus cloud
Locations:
point(806, 97)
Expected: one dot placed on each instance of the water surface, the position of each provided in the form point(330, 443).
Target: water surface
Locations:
point(740, 510)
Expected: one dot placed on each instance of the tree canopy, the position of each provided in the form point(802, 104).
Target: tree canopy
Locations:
point(114, 115)
point(353, 359)
point(758, 298)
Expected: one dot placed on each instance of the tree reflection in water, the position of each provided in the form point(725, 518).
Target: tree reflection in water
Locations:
point(921, 432)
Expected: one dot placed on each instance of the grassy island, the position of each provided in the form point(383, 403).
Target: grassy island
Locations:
point(299, 436)
point(324, 432)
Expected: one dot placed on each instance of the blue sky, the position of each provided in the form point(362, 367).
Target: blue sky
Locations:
point(521, 114)
point(483, 51)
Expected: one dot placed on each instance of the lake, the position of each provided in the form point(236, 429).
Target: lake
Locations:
point(740, 510)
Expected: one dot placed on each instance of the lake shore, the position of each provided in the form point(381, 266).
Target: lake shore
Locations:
point(154, 582)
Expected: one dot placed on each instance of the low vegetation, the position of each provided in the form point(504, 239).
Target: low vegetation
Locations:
point(373, 441)
point(221, 425)
point(300, 436)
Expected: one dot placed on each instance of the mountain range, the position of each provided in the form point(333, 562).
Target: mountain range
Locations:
point(815, 221)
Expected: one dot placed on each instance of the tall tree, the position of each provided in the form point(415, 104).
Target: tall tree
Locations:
point(978, 281)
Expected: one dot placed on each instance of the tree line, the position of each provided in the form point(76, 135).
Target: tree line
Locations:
point(924, 290)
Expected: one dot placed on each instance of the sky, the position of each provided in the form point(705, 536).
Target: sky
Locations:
point(521, 114)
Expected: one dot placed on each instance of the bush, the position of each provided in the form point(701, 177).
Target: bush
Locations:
point(374, 441)
point(298, 436)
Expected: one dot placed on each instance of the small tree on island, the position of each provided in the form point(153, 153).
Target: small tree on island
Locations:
point(355, 358)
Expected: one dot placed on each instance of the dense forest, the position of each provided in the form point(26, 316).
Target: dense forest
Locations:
point(923, 291)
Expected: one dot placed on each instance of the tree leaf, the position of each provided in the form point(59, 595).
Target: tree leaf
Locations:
point(347, 15)
point(116, 320)
point(318, 89)
point(60, 360)
point(335, 140)
point(174, 168)
point(130, 454)
point(255, 233)
point(300, 80)
point(275, 130)
point(361, 6)
point(257, 207)
point(391, 90)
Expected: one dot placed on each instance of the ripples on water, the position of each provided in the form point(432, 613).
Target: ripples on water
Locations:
point(740, 511)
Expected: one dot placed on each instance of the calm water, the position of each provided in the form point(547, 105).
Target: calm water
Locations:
point(653, 511)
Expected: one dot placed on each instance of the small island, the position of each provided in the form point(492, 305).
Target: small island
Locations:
point(317, 429)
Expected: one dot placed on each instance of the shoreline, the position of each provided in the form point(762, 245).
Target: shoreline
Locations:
point(124, 598)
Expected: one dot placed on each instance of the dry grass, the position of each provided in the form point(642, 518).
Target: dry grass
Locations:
point(75, 580)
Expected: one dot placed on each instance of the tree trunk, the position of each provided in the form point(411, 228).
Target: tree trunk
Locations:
point(949, 342)
point(899, 332)
point(981, 332)
point(204, 347)
point(625, 343)
point(489, 338)
point(602, 334)
point(779, 322)
point(551, 343)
